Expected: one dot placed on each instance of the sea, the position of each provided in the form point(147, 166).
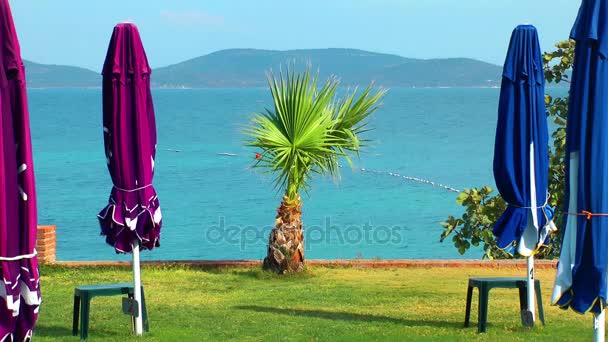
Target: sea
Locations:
point(425, 145)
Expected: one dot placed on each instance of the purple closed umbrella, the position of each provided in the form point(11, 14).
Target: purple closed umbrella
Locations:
point(132, 218)
point(19, 285)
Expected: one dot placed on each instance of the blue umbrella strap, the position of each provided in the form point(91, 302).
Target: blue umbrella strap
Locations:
point(547, 212)
point(541, 207)
point(132, 190)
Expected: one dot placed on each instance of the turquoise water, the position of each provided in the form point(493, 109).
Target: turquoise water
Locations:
point(216, 207)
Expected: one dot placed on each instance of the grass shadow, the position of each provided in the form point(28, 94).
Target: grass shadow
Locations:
point(349, 316)
point(57, 331)
point(52, 331)
point(259, 273)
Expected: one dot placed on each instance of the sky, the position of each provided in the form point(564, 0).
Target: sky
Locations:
point(77, 32)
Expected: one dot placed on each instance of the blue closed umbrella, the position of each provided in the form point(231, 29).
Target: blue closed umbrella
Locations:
point(580, 283)
point(521, 159)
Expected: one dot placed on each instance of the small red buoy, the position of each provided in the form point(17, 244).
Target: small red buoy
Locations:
point(258, 156)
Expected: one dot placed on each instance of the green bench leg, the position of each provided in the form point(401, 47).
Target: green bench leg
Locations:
point(539, 301)
point(75, 317)
point(482, 316)
point(523, 297)
point(144, 311)
point(85, 308)
point(467, 313)
point(523, 300)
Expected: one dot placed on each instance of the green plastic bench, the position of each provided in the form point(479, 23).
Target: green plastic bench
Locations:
point(484, 285)
point(82, 304)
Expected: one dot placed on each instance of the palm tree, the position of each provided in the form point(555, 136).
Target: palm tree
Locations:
point(306, 133)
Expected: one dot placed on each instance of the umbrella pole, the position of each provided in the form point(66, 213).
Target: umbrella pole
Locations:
point(137, 289)
point(599, 326)
point(530, 294)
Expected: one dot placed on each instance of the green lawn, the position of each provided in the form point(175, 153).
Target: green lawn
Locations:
point(324, 304)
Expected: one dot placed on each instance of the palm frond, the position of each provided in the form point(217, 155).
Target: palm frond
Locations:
point(308, 130)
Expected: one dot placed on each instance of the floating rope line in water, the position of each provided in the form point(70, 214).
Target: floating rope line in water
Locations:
point(413, 179)
point(392, 174)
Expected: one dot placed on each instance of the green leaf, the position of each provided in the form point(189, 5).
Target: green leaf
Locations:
point(462, 197)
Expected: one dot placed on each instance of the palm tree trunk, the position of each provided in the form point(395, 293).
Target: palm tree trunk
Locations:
point(286, 242)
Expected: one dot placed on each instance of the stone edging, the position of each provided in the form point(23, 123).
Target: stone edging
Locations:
point(361, 263)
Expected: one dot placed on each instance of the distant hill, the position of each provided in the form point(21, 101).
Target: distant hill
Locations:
point(247, 67)
point(59, 76)
point(450, 72)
